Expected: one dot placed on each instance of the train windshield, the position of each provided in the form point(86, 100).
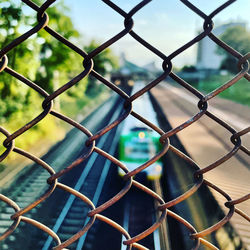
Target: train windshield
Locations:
point(138, 145)
point(138, 151)
point(141, 129)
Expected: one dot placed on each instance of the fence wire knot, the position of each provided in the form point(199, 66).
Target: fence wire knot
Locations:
point(163, 206)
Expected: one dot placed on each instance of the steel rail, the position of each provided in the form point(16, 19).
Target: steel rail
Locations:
point(79, 184)
point(103, 177)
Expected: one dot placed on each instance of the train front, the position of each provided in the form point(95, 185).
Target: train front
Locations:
point(139, 143)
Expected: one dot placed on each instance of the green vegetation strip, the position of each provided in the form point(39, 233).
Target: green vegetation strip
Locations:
point(239, 92)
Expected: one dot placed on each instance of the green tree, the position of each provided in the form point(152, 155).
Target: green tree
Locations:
point(238, 37)
point(15, 96)
point(103, 64)
point(189, 68)
point(45, 61)
point(59, 63)
point(42, 58)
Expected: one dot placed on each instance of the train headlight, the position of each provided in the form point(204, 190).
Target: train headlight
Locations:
point(141, 135)
point(117, 82)
point(158, 168)
point(130, 83)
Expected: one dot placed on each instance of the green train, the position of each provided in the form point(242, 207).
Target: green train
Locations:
point(138, 143)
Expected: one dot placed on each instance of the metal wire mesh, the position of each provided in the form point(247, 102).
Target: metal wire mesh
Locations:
point(88, 64)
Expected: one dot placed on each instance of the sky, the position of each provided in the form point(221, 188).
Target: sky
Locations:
point(166, 24)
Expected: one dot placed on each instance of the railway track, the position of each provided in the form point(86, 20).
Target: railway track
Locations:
point(33, 183)
point(138, 216)
point(91, 183)
point(65, 213)
point(140, 213)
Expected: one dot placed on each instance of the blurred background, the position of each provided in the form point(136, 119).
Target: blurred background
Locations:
point(167, 25)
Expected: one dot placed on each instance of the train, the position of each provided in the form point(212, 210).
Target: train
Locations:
point(138, 143)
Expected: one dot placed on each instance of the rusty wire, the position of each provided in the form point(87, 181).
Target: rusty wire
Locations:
point(88, 68)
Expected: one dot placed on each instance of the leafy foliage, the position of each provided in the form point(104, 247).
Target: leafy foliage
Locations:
point(56, 58)
point(103, 64)
point(238, 37)
point(44, 60)
point(24, 58)
point(188, 68)
point(239, 92)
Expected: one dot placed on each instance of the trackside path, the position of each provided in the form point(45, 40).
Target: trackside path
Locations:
point(206, 141)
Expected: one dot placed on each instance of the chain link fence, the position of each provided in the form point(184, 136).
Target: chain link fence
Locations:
point(88, 69)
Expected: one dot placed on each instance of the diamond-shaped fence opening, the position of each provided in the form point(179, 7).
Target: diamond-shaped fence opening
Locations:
point(162, 208)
